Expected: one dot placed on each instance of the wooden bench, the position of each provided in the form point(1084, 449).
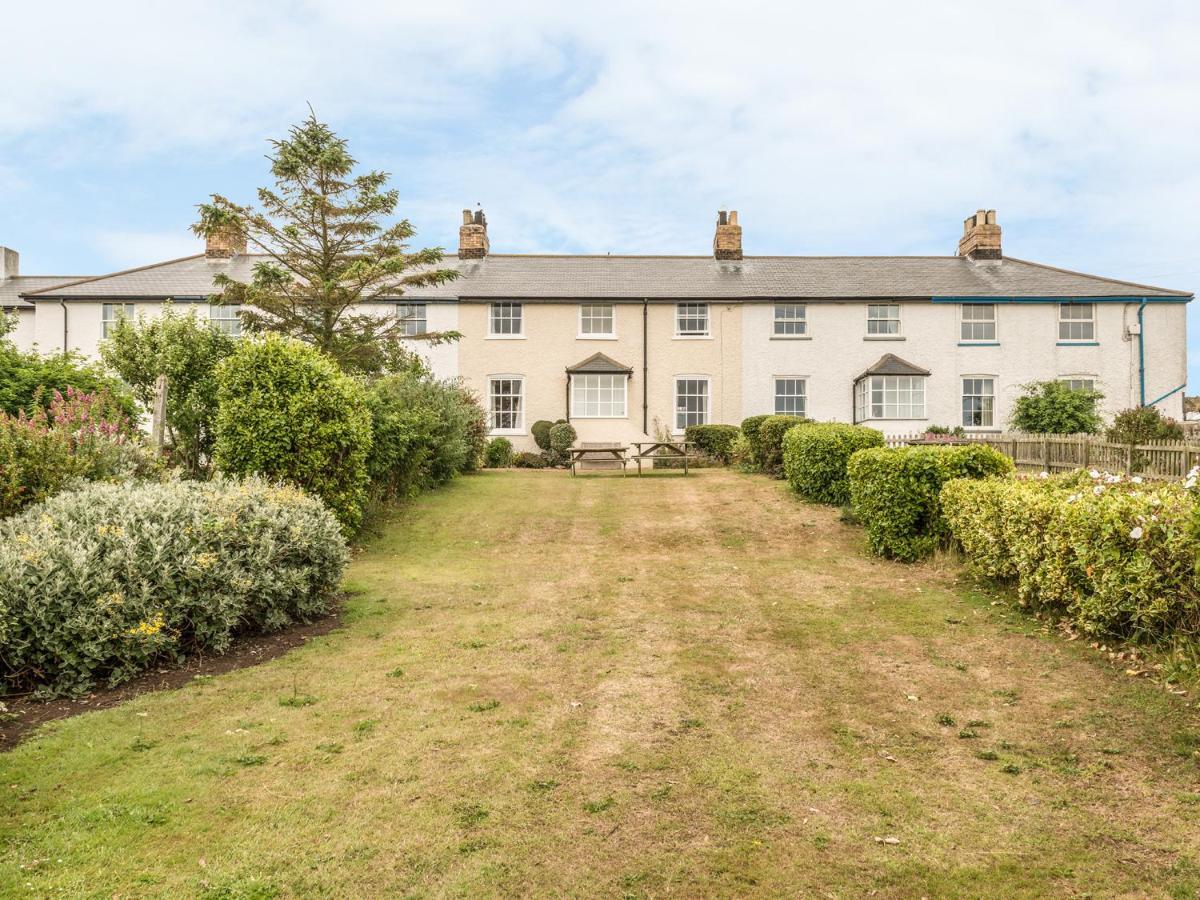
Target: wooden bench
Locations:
point(663, 451)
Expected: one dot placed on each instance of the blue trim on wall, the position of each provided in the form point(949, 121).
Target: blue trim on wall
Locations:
point(1077, 344)
point(979, 343)
point(1061, 299)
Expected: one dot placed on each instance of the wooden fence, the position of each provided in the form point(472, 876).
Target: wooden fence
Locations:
point(1067, 452)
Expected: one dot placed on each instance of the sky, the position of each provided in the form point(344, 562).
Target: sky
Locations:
point(848, 128)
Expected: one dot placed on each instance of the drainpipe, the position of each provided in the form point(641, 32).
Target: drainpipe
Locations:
point(63, 304)
point(645, 367)
point(1142, 353)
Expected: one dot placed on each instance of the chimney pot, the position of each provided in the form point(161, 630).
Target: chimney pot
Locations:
point(727, 242)
point(473, 236)
point(981, 236)
point(224, 243)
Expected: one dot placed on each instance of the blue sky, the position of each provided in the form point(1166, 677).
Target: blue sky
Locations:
point(848, 128)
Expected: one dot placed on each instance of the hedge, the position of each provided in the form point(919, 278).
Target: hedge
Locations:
point(1115, 556)
point(895, 493)
point(750, 431)
point(498, 454)
point(815, 459)
point(111, 579)
point(770, 442)
point(715, 441)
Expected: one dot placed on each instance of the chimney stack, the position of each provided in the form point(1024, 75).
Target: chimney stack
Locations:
point(981, 236)
point(224, 243)
point(727, 243)
point(473, 236)
point(10, 263)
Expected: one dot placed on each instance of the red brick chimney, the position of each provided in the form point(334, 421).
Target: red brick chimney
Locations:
point(981, 236)
point(727, 243)
point(224, 244)
point(473, 236)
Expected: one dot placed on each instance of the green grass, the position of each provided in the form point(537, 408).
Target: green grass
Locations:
point(625, 687)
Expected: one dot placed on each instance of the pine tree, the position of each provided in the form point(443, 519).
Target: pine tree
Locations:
point(328, 249)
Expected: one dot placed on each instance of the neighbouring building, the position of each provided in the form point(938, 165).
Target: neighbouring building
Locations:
point(629, 346)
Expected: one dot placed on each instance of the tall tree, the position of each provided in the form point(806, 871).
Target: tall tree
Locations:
point(328, 249)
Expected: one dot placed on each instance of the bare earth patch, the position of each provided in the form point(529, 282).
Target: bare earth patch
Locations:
point(627, 687)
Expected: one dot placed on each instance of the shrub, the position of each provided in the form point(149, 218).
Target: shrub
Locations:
point(541, 433)
point(28, 380)
point(476, 433)
point(740, 454)
point(108, 580)
point(1115, 556)
point(286, 412)
point(750, 430)
point(815, 458)
point(1050, 407)
point(714, 441)
point(1141, 425)
point(526, 460)
point(499, 453)
point(895, 493)
point(562, 437)
point(770, 442)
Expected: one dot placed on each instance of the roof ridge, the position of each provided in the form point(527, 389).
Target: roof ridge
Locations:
point(92, 278)
point(1106, 280)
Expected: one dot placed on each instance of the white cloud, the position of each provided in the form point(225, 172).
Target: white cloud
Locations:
point(127, 249)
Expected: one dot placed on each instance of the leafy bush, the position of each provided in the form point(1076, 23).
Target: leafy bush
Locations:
point(1141, 425)
point(526, 460)
point(286, 412)
point(956, 431)
point(1116, 556)
point(541, 433)
point(895, 493)
point(476, 433)
point(28, 380)
point(562, 437)
point(770, 442)
point(714, 441)
point(1050, 407)
point(108, 580)
point(187, 350)
point(499, 453)
point(740, 454)
point(750, 431)
point(815, 459)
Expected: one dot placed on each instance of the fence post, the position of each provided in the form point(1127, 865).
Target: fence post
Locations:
point(158, 412)
point(1129, 460)
point(1087, 451)
point(1045, 453)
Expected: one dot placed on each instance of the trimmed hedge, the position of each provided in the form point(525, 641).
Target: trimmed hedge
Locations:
point(562, 437)
point(750, 431)
point(895, 493)
point(715, 441)
point(108, 580)
point(1117, 557)
point(815, 459)
point(770, 442)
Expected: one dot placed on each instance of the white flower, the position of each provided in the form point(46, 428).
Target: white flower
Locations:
point(1136, 534)
point(1044, 475)
point(1094, 473)
point(1136, 479)
point(1154, 501)
point(1190, 483)
point(1098, 490)
point(1072, 498)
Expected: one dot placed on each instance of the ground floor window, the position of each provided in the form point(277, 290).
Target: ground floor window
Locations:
point(506, 403)
point(691, 402)
point(597, 396)
point(890, 397)
point(791, 396)
point(978, 402)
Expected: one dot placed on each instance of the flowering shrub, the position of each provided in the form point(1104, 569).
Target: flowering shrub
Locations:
point(895, 493)
point(1115, 554)
point(770, 442)
point(107, 580)
point(815, 459)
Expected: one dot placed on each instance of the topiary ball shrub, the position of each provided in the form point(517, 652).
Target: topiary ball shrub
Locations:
point(529, 461)
point(815, 459)
point(562, 437)
point(770, 442)
point(108, 580)
point(499, 453)
point(750, 431)
point(541, 433)
point(285, 411)
point(896, 493)
point(714, 441)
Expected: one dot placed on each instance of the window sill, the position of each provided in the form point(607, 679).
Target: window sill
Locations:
point(600, 418)
point(595, 337)
point(887, 419)
point(979, 343)
point(1077, 344)
point(791, 337)
point(692, 337)
point(506, 337)
point(884, 337)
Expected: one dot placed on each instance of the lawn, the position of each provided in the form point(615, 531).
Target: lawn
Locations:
point(626, 687)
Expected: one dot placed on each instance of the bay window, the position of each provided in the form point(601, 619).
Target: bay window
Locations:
point(889, 397)
point(598, 396)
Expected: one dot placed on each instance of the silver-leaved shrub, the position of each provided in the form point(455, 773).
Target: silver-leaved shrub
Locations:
point(104, 581)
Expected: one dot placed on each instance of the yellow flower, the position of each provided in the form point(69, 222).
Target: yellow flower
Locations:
point(154, 626)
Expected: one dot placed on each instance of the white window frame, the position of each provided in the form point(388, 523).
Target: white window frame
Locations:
point(1065, 323)
point(111, 313)
point(865, 404)
point(985, 408)
point(415, 314)
point(802, 396)
point(874, 319)
point(795, 316)
point(519, 425)
point(610, 335)
point(224, 318)
point(1068, 379)
point(494, 319)
point(965, 324)
point(675, 395)
point(690, 313)
point(616, 384)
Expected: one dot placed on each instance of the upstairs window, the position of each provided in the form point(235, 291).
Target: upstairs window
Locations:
point(791, 396)
point(413, 318)
point(791, 319)
point(978, 322)
point(1077, 322)
point(504, 320)
point(224, 318)
point(691, 319)
point(978, 402)
point(111, 313)
point(883, 319)
point(889, 397)
point(596, 320)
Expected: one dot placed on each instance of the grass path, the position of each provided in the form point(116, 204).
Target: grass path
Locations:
point(625, 687)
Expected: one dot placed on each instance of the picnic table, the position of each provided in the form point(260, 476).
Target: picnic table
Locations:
point(663, 450)
point(584, 453)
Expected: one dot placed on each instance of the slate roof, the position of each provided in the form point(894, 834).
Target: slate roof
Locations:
point(599, 363)
point(891, 364)
point(537, 277)
point(12, 288)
